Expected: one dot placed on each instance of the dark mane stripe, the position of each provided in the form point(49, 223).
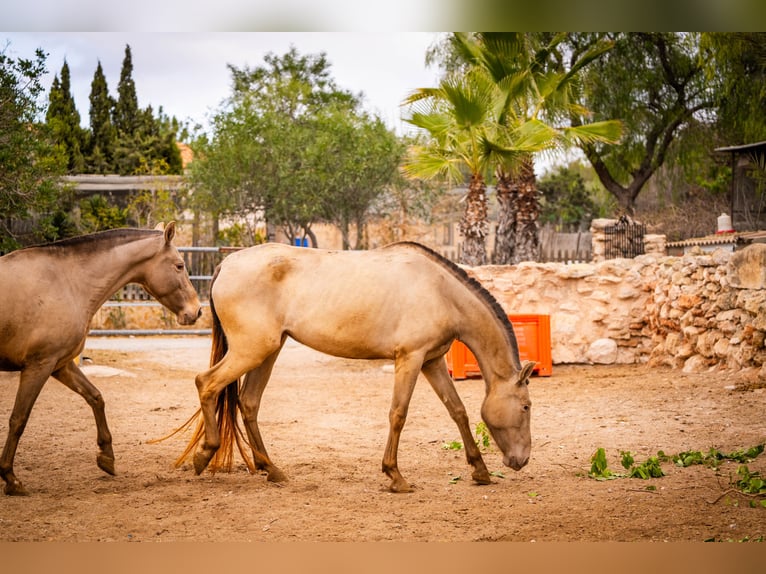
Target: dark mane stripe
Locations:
point(474, 286)
point(112, 236)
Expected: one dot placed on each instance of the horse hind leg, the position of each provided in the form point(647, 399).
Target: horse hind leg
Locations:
point(209, 386)
point(253, 385)
point(438, 376)
point(73, 378)
point(31, 382)
point(406, 374)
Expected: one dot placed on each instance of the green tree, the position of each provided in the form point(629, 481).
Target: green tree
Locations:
point(566, 200)
point(30, 163)
point(126, 117)
point(735, 65)
point(63, 119)
point(357, 157)
point(525, 97)
point(282, 145)
point(98, 214)
point(143, 143)
point(100, 155)
point(465, 135)
point(655, 85)
point(535, 87)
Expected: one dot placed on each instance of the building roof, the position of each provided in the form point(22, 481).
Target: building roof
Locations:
point(91, 183)
point(743, 237)
point(743, 148)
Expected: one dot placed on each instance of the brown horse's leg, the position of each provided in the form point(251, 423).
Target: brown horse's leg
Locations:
point(251, 392)
point(405, 377)
point(437, 374)
point(73, 378)
point(31, 383)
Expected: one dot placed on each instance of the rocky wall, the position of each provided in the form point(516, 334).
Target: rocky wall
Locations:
point(597, 310)
point(695, 312)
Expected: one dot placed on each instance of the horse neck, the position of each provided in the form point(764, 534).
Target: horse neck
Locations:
point(108, 268)
point(486, 336)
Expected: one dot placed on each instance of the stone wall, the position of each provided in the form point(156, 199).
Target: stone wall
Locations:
point(694, 312)
point(597, 310)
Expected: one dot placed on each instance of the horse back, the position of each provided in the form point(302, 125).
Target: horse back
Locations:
point(362, 304)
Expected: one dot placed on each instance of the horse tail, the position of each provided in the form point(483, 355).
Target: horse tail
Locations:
point(227, 407)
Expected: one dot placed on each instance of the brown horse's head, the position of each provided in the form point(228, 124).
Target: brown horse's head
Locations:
point(507, 411)
point(166, 280)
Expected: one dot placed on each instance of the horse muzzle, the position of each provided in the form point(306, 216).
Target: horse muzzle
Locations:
point(189, 318)
point(514, 462)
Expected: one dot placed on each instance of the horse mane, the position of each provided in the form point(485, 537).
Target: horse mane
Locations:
point(470, 282)
point(118, 236)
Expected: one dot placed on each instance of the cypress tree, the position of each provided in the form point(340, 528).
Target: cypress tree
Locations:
point(102, 140)
point(126, 114)
point(128, 120)
point(64, 121)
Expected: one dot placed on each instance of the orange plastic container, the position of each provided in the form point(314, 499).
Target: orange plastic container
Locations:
point(533, 335)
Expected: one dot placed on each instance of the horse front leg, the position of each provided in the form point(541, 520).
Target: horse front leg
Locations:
point(406, 374)
point(251, 392)
point(438, 376)
point(71, 376)
point(31, 382)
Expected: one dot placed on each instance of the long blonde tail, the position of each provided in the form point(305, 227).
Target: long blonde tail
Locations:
point(227, 410)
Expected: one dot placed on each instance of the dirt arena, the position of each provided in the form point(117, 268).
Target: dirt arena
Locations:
point(325, 422)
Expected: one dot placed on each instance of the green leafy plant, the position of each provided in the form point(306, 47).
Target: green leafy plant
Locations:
point(482, 435)
point(650, 468)
point(482, 439)
point(599, 468)
point(714, 457)
point(751, 483)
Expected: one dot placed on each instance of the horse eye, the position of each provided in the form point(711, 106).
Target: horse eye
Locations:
point(180, 266)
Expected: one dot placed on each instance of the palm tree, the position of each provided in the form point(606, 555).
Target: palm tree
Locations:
point(465, 140)
point(538, 88)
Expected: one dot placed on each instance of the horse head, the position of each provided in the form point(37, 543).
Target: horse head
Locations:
point(167, 281)
point(507, 411)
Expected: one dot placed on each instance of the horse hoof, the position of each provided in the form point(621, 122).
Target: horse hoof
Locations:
point(15, 489)
point(200, 462)
point(481, 477)
point(276, 475)
point(399, 486)
point(106, 464)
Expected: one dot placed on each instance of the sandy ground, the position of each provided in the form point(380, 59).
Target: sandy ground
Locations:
point(325, 422)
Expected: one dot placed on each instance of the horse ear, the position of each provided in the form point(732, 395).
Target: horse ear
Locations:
point(526, 371)
point(160, 226)
point(170, 231)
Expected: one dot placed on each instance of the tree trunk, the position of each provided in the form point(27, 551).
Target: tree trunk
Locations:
point(505, 234)
point(527, 214)
point(474, 224)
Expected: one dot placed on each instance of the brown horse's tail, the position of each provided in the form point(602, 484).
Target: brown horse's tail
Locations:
point(229, 430)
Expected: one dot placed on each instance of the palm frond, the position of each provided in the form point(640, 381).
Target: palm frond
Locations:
point(594, 132)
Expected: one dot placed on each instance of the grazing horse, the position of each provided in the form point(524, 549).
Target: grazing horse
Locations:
point(402, 302)
point(48, 296)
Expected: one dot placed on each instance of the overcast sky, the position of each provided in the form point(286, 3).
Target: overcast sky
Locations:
point(186, 73)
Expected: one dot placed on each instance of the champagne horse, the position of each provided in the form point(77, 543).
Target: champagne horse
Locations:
point(402, 302)
point(48, 296)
